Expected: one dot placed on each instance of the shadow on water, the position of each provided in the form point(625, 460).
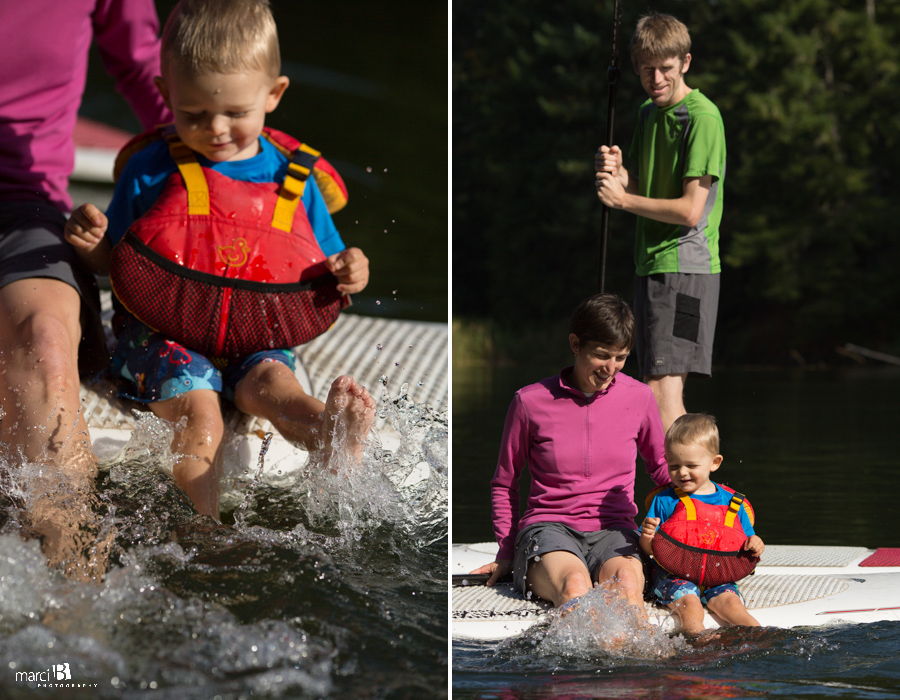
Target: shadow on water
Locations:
point(341, 595)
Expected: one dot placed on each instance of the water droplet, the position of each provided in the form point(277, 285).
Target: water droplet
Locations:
point(369, 169)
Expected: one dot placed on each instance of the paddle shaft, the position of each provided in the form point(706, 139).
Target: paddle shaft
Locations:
point(612, 74)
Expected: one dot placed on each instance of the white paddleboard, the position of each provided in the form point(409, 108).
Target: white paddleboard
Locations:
point(793, 586)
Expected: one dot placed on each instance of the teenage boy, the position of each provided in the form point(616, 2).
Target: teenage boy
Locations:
point(676, 193)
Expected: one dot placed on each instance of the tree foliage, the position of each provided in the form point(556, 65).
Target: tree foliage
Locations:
point(807, 90)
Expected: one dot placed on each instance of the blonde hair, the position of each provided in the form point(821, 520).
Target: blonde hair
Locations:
point(659, 36)
point(221, 36)
point(694, 429)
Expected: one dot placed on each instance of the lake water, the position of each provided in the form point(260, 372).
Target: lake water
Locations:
point(813, 450)
point(316, 585)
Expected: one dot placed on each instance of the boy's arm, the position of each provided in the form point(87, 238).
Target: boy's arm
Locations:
point(85, 232)
point(686, 210)
point(648, 530)
point(755, 544)
point(351, 267)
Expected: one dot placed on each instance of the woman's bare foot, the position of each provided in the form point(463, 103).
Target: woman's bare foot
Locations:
point(346, 421)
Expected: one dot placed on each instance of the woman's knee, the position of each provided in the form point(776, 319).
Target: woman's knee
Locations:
point(45, 348)
point(575, 584)
point(626, 572)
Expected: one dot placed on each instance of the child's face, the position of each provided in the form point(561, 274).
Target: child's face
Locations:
point(690, 467)
point(221, 115)
point(663, 79)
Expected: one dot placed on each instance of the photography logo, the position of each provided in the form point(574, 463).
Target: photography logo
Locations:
point(57, 676)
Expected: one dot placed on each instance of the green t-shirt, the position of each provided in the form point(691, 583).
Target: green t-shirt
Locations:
point(684, 140)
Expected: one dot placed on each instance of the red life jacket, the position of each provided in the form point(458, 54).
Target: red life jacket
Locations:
point(226, 267)
point(703, 543)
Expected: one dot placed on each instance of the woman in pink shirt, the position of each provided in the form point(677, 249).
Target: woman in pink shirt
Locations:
point(579, 433)
point(49, 306)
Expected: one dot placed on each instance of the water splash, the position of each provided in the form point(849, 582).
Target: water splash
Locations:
point(240, 514)
point(599, 628)
point(291, 601)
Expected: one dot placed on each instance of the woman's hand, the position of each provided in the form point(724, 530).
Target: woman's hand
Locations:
point(496, 569)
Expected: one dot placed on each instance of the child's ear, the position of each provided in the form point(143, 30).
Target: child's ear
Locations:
point(716, 462)
point(163, 90)
point(278, 88)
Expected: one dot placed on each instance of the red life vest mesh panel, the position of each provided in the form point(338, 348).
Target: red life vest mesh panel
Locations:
point(704, 546)
point(225, 283)
point(227, 321)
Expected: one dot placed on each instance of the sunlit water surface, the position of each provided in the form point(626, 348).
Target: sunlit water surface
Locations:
point(316, 585)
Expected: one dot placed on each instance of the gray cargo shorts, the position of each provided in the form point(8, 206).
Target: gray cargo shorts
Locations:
point(675, 317)
point(593, 548)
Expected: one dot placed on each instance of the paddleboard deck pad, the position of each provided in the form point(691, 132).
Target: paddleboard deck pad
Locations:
point(794, 585)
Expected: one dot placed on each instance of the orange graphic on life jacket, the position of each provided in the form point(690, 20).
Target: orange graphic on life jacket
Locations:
point(234, 255)
point(708, 539)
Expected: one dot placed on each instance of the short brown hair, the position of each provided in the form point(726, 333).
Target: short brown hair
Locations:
point(694, 429)
point(604, 319)
point(659, 36)
point(221, 36)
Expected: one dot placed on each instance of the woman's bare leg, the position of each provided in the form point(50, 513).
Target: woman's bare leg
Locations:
point(558, 577)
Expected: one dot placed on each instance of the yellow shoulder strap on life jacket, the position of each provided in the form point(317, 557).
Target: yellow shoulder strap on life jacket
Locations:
point(301, 165)
point(690, 510)
point(733, 507)
point(191, 171)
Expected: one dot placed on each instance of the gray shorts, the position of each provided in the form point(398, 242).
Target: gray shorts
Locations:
point(593, 548)
point(32, 245)
point(675, 317)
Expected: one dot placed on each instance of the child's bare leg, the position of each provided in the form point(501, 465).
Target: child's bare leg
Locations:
point(689, 611)
point(271, 391)
point(197, 446)
point(728, 609)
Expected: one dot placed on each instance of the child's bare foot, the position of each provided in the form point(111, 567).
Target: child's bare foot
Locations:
point(346, 421)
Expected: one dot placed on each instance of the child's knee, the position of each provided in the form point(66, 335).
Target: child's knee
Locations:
point(724, 603)
point(689, 602)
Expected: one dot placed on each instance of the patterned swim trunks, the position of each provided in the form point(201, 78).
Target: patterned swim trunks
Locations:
point(158, 369)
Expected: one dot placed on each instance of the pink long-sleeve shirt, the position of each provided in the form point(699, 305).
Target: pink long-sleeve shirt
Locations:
point(581, 454)
point(43, 66)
